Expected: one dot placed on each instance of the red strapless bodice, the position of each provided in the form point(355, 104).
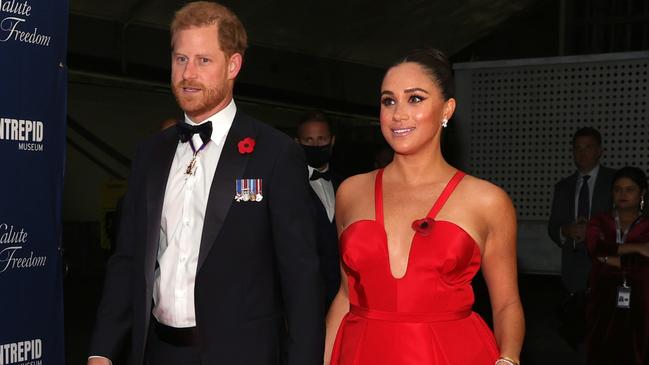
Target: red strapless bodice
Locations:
point(423, 317)
point(438, 276)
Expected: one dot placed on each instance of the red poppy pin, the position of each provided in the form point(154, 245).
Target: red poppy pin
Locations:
point(246, 145)
point(423, 226)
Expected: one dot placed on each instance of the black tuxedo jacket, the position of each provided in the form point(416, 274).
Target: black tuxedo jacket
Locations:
point(257, 269)
point(327, 238)
point(575, 263)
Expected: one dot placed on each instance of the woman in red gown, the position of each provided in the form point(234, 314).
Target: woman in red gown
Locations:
point(618, 242)
point(413, 235)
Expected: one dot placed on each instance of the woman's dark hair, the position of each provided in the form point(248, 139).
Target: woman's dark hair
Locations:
point(637, 176)
point(634, 174)
point(437, 65)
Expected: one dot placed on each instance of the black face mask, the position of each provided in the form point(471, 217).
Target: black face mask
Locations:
point(317, 156)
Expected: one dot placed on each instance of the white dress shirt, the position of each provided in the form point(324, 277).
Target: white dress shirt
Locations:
point(181, 227)
point(325, 191)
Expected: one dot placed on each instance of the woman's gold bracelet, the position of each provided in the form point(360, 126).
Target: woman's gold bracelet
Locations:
point(505, 361)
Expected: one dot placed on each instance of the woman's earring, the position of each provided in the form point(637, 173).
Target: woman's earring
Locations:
point(642, 204)
point(444, 122)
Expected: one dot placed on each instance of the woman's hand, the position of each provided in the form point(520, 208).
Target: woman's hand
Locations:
point(642, 249)
point(639, 248)
point(337, 311)
point(610, 260)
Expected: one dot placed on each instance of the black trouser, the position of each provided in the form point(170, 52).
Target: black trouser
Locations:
point(572, 314)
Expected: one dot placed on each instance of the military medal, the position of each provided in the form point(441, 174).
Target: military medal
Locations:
point(258, 196)
point(253, 189)
point(190, 170)
point(248, 190)
point(239, 192)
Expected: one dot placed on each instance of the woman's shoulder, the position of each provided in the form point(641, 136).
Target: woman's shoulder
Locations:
point(643, 224)
point(356, 183)
point(354, 198)
point(484, 193)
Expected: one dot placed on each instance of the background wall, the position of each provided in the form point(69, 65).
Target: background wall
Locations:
point(516, 119)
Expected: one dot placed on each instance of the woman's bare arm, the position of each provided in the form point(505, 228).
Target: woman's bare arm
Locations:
point(499, 268)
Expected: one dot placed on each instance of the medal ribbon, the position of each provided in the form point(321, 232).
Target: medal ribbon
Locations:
point(192, 163)
point(191, 143)
point(253, 187)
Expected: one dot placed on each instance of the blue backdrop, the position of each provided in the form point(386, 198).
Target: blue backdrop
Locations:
point(33, 87)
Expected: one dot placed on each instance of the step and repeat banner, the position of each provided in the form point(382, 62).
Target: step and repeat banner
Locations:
point(33, 87)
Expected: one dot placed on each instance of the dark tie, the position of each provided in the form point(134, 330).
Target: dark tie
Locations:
point(186, 131)
point(583, 202)
point(315, 175)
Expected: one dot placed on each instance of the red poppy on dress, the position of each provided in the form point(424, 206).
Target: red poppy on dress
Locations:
point(423, 226)
point(246, 145)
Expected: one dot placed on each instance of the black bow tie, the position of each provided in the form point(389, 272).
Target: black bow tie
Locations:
point(315, 175)
point(186, 131)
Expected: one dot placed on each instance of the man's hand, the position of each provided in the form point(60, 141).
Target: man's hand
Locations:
point(575, 231)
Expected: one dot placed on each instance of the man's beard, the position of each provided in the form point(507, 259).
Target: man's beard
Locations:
point(200, 103)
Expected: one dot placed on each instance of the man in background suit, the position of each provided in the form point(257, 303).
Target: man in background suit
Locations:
point(585, 193)
point(314, 134)
point(216, 253)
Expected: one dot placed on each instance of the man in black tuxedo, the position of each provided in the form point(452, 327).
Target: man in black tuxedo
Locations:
point(314, 134)
point(216, 252)
point(585, 193)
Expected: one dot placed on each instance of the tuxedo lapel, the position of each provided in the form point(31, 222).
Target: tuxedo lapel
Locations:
point(231, 166)
point(156, 184)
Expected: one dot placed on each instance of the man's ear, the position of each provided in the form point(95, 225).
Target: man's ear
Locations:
point(234, 65)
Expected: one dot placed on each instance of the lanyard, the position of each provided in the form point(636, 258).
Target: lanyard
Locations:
point(620, 237)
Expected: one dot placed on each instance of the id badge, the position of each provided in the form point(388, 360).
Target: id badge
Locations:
point(623, 297)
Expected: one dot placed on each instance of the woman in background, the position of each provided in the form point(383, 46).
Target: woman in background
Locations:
point(617, 311)
point(412, 237)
